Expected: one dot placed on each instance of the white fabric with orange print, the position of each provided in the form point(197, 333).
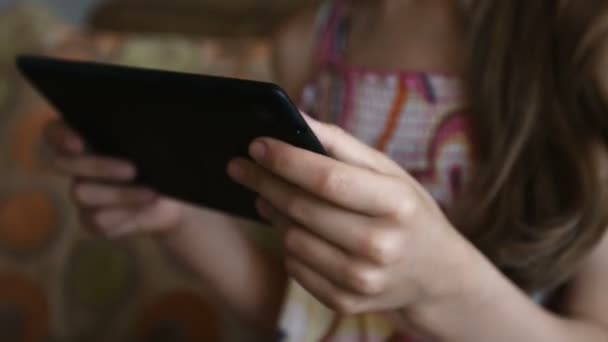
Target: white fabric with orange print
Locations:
point(413, 117)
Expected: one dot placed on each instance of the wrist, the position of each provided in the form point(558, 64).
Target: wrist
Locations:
point(465, 278)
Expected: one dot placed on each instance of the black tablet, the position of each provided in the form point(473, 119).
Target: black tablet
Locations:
point(180, 130)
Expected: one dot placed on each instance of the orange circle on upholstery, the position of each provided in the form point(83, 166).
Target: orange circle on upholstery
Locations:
point(180, 316)
point(25, 309)
point(27, 138)
point(27, 221)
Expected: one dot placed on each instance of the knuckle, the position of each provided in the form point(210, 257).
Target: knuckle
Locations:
point(331, 182)
point(363, 281)
point(336, 130)
point(404, 204)
point(406, 207)
point(382, 247)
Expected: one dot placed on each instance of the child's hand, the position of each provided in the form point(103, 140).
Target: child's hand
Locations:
point(360, 233)
point(110, 210)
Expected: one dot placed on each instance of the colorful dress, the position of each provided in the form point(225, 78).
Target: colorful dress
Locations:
point(416, 119)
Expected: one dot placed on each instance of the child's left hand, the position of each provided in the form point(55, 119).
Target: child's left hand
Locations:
point(361, 234)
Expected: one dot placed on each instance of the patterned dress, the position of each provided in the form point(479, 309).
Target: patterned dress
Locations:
point(416, 119)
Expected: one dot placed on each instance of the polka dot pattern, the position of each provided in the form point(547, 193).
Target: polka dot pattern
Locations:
point(179, 316)
point(27, 139)
point(28, 220)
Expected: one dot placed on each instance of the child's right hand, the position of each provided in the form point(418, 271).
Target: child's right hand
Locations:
point(107, 205)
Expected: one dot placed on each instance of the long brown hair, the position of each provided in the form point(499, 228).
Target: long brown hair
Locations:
point(536, 205)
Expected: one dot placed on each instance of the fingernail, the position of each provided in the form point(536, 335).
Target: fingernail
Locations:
point(235, 170)
point(258, 150)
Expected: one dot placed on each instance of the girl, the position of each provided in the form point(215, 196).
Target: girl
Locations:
point(477, 213)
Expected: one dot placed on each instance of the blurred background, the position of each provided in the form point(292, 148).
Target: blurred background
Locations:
point(57, 283)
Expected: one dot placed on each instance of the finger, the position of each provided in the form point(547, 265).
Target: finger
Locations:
point(109, 219)
point(90, 194)
point(348, 149)
point(271, 215)
point(158, 216)
point(323, 289)
point(101, 221)
point(97, 168)
point(346, 272)
point(358, 235)
point(346, 186)
point(116, 223)
point(326, 260)
point(285, 224)
point(62, 139)
point(154, 218)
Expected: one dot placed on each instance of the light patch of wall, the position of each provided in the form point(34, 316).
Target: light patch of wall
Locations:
point(72, 11)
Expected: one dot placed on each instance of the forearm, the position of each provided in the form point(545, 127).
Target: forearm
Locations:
point(244, 277)
point(490, 308)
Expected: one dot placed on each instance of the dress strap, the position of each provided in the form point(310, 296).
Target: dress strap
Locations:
point(332, 32)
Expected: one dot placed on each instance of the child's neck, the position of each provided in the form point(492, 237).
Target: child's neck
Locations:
point(420, 35)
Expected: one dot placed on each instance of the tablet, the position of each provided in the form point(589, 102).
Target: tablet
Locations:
point(180, 130)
